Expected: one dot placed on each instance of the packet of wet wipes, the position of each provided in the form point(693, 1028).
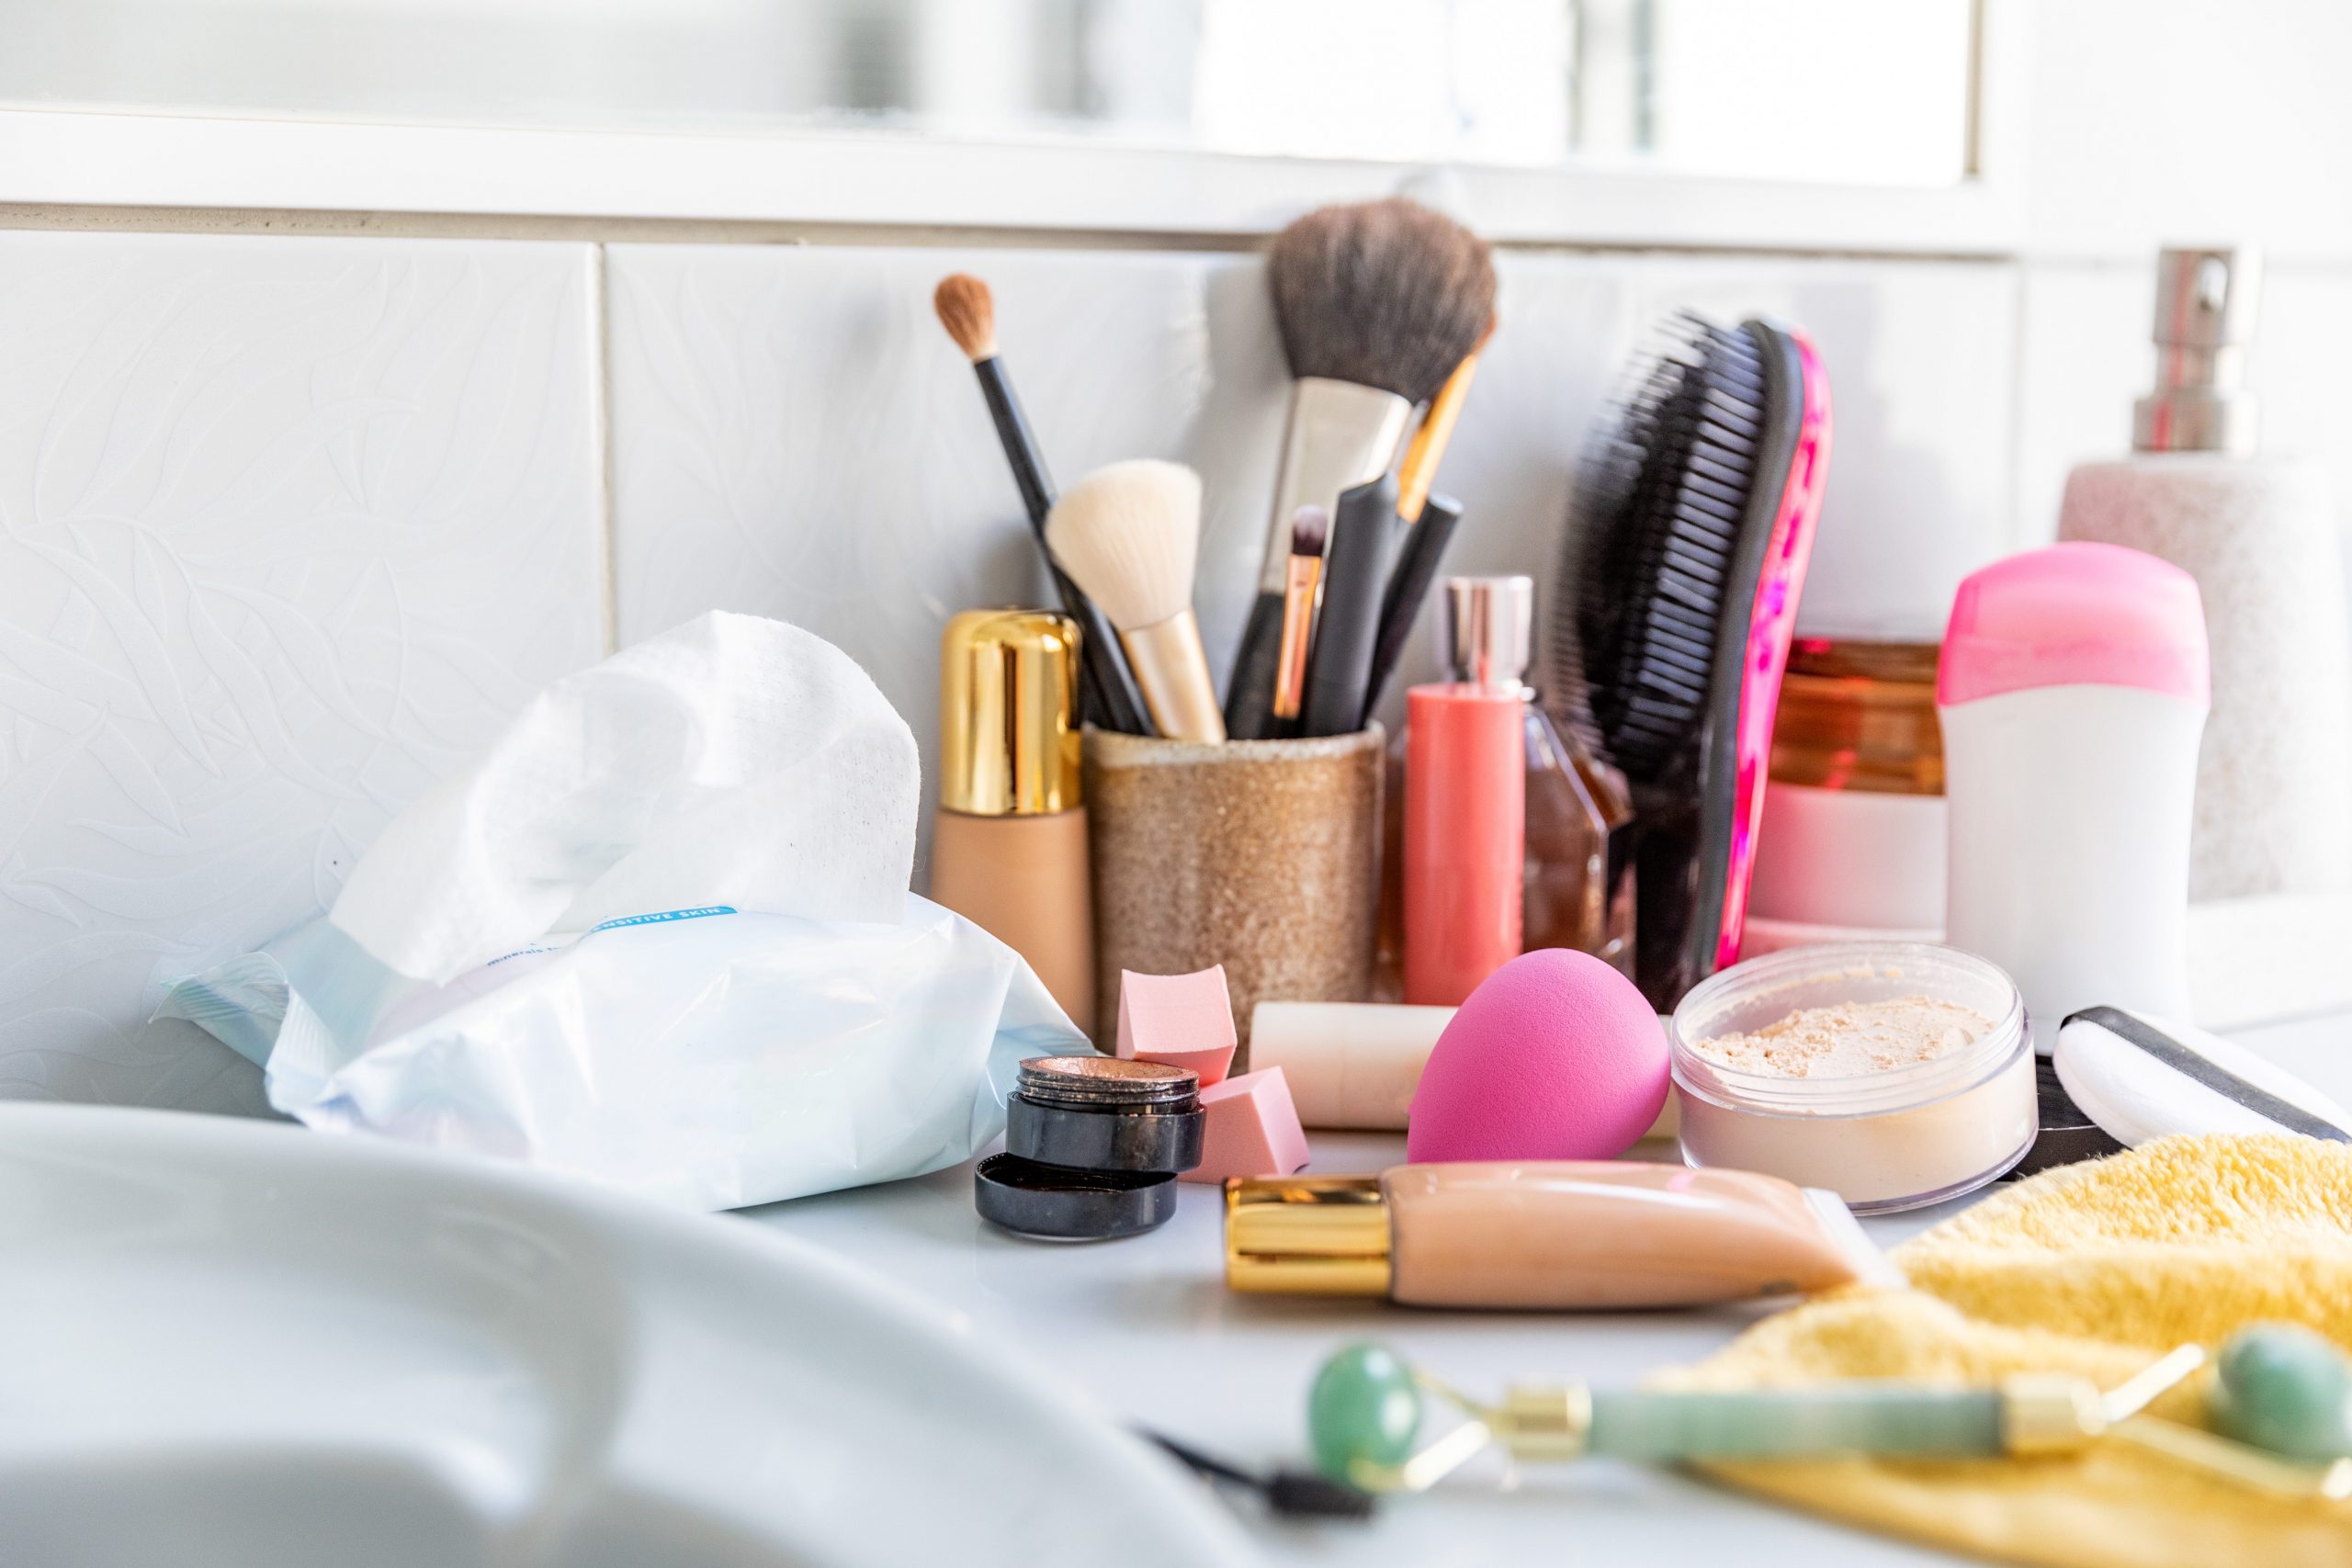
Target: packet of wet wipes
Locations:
point(659, 934)
point(707, 1057)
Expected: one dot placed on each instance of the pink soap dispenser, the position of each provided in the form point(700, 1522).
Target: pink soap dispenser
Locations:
point(1465, 796)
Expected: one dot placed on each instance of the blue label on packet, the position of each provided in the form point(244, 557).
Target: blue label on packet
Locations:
point(703, 913)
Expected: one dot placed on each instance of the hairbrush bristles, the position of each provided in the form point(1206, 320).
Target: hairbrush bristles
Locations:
point(968, 310)
point(1654, 521)
point(1385, 294)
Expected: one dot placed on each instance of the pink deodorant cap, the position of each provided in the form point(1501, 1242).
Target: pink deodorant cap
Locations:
point(1183, 1020)
point(2075, 614)
point(1557, 1057)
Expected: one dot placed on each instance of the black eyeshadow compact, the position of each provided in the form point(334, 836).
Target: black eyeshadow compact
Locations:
point(1092, 1148)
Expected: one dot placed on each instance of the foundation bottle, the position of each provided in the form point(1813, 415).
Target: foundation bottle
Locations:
point(1008, 846)
point(1576, 873)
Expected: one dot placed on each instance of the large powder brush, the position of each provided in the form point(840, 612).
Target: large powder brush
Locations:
point(1386, 294)
point(1378, 304)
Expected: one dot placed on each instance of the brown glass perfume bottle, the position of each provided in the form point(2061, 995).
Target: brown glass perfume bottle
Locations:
point(1579, 882)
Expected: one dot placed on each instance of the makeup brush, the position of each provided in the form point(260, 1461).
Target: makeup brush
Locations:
point(1128, 535)
point(1290, 1493)
point(1378, 304)
point(1426, 450)
point(968, 310)
point(1408, 586)
point(1307, 535)
point(1361, 559)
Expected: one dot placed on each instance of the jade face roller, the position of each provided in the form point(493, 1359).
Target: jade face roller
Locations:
point(2283, 1397)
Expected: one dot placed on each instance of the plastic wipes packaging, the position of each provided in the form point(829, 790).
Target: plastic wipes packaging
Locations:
point(659, 936)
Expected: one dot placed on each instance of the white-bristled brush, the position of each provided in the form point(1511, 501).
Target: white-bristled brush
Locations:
point(1128, 536)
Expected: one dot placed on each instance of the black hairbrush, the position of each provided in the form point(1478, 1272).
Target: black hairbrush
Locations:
point(1689, 531)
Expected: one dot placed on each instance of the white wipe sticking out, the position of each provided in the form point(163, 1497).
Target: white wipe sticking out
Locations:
point(659, 936)
point(733, 761)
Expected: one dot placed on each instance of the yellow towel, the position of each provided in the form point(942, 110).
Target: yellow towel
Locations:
point(2094, 1269)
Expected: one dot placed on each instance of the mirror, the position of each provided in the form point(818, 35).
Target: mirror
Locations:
point(1821, 90)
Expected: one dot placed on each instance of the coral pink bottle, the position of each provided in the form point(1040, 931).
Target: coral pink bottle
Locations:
point(1465, 798)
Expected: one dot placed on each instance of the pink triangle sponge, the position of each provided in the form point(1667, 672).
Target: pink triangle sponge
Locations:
point(1555, 1056)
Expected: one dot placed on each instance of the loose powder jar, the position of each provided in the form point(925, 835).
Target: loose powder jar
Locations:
point(1894, 1074)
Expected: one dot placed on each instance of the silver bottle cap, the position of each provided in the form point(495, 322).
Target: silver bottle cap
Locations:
point(2206, 300)
point(1487, 631)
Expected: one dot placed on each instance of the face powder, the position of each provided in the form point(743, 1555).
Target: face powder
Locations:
point(1894, 1074)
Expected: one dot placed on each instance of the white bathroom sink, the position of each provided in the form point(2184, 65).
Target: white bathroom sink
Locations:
point(230, 1343)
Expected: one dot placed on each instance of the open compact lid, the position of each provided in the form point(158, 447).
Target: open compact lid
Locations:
point(2141, 1077)
point(2074, 615)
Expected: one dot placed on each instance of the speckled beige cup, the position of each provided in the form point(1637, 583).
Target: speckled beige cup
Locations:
point(1260, 855)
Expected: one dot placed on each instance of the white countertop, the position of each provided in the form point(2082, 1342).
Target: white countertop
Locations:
point(1146, 1327)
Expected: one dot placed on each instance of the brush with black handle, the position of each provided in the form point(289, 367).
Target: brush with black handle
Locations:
point(1357, 564)
point(1418, 561)
point(1378, 304)
point(1107, 692)
point(1431, 521)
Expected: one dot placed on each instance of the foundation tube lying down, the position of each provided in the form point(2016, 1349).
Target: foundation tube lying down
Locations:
point(1566, 1235)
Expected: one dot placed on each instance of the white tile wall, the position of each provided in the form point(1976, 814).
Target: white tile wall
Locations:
point(1922, 369)
point(795, 435)
point(287, 526)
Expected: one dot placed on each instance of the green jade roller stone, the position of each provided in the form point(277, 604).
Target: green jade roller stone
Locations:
point(1364, 1406)
point(2282, 1387)
point(1768, 1424)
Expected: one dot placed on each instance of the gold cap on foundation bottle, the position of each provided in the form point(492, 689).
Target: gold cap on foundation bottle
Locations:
point(1008, 714)
point(1312, 1236)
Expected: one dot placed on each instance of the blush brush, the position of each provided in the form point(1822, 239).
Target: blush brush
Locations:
point(1377, 303)
point(1130, 535)
point(967, 309)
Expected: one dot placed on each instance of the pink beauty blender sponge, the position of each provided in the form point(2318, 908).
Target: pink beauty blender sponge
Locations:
point(1555, 1056)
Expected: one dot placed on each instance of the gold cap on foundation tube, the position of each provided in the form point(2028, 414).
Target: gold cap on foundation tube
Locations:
point(1008, 714)
point(1316, 1235)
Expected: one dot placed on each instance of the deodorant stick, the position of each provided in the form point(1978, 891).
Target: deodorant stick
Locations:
point(2073, 690)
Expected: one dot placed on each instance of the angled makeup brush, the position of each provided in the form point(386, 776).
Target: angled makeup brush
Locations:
point(968, 310)
point(1426, 450)
point(1129, 535)
point(1378, 304)
point(1308, 532)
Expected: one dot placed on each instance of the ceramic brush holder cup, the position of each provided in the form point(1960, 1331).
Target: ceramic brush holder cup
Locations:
point(1260, 855)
